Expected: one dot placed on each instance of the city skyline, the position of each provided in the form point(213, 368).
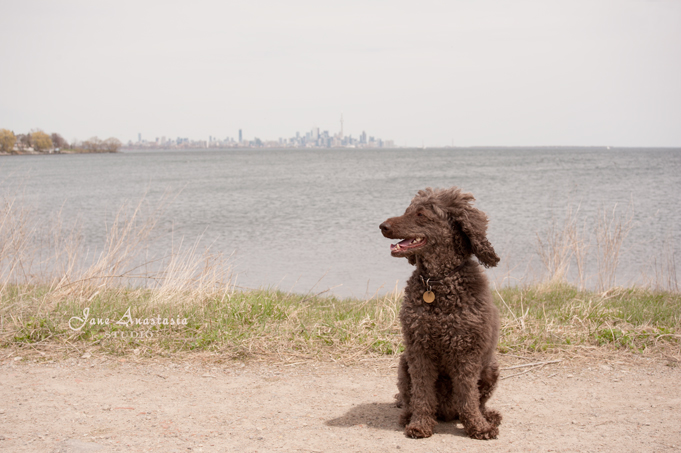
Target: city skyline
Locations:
point(314, 138)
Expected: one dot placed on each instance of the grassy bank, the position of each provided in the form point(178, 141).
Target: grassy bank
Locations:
point(286, 326)
point(549, 317)
point(238, 324)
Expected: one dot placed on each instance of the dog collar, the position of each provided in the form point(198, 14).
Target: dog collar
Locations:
point(428, 295)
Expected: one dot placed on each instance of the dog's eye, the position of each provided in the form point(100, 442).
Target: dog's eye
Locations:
point(418, 214)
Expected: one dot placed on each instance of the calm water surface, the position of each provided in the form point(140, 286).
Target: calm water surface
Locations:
point(293, 217)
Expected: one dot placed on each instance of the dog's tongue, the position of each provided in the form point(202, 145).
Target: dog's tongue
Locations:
point(405, 243)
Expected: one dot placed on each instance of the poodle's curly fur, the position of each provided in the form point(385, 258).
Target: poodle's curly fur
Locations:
point(448, 369)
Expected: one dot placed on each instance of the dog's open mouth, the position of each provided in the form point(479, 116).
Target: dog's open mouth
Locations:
point(407, 244)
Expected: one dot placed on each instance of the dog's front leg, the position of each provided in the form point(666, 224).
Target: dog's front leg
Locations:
point(423, 401)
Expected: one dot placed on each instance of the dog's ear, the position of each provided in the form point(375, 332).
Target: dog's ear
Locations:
point(473, 223)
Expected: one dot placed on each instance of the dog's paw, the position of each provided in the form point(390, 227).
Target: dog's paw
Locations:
point(487, 432)
point(493, 417)
point(418, 431)
point(398, 400)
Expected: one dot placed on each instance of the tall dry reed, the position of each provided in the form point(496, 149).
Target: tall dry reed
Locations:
point(16, 256)
point(611, 231)
point(56, 260)
point(562, 245)
point(661, 273)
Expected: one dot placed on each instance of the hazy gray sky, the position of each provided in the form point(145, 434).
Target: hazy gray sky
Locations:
point(478, 72)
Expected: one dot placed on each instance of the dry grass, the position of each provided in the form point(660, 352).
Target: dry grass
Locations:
point(55, 260)
point(560, 244)
point(663, 266)
point(611, 232)
point(577, 242)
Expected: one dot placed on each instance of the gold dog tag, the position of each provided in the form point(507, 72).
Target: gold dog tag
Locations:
point(429, 297)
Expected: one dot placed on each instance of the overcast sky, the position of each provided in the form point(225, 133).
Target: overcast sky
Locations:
point(427, 73)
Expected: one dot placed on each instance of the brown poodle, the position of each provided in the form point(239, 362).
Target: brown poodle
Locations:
point(450, 324)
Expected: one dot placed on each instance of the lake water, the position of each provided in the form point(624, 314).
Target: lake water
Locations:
point(304, 219)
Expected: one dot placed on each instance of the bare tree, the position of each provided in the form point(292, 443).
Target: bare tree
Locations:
point(93, 145)
point(58, 141)
point(112, 145)
point(23, 141)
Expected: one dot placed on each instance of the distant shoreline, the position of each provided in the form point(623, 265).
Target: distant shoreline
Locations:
point(418, 148)
point(448, 147)
point(66, 151)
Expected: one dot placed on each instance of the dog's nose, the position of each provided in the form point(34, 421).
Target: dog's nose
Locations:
point(385, 227)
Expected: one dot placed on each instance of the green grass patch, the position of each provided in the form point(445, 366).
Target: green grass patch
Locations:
point(544, 317)
point(237, 324)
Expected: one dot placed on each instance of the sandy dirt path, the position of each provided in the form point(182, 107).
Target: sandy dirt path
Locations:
point(104, 404)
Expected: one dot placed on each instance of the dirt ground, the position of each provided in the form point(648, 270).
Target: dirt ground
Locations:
point(102, 404)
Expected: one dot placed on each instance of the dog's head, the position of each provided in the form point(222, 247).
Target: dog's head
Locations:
point(441, 219)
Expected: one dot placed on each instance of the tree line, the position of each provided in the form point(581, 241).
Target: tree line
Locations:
point(42, 142)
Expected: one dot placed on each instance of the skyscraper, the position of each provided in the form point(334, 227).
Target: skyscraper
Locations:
point(240, 136)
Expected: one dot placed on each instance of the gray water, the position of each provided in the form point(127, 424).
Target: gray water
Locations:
point(308, 219)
